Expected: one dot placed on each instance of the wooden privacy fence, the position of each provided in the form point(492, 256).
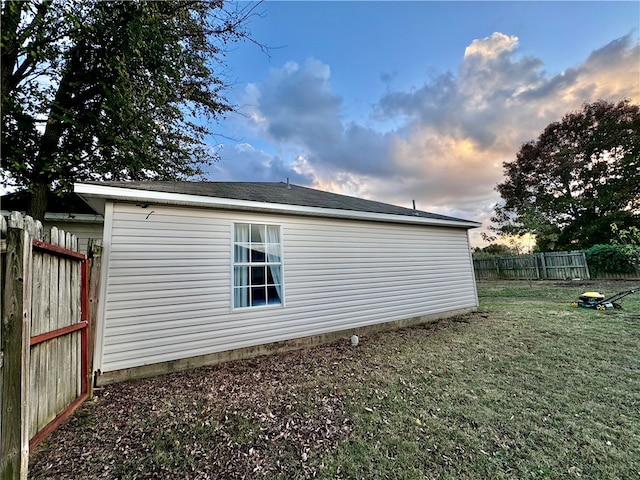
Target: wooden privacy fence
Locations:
point(44, 369)
point(541, 266)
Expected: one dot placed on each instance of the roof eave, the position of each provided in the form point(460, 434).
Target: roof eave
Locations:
point(97, 195)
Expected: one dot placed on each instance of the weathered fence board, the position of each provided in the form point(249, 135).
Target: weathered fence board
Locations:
point(44, 374)
point(3, 251)
point(16, 326)
point(12, 301)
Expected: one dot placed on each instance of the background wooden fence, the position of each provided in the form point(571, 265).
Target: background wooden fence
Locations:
point(44, 362)
point(550, 265)
point(542, 266)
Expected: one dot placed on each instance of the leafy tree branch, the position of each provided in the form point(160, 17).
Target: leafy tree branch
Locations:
point(112, 90)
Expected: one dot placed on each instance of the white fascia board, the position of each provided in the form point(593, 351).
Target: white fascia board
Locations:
point(74, 217)
point(70, 217)
point(101, 192)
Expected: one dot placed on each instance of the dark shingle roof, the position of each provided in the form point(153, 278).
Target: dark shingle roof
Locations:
point(275, 192)
point(63, 203)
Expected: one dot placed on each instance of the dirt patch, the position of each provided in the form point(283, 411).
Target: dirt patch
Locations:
point(256, 418)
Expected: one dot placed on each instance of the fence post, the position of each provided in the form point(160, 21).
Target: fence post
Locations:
point(94, 254)
point(3, 250)
point(586, 265)
point(16, 325)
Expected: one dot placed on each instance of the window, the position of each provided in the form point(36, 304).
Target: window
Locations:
point(257, 265)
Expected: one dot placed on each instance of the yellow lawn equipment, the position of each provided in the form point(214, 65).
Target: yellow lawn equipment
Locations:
point(599, 302)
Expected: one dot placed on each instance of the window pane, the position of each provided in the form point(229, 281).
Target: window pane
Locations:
point(273, 297)
point(257, 253)
point(241, 254)
point(258, 296)
point(257, 275)
point(241, 297)
point(241, 232)
point(273, 234)
point(257, 233)
point(273, 253)
point(240, 276)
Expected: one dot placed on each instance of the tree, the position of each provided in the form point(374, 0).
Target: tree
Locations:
point(629, 242)
point(495, 250)
point(111, 90)
point(581, 175)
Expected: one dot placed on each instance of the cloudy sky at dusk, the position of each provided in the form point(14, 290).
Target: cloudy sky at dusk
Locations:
point(395, 101)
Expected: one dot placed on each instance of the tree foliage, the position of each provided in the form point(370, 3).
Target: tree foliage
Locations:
point(608, 259)
point(114, 90)
point(628, 240)
point(581, 175)
point(495, 250)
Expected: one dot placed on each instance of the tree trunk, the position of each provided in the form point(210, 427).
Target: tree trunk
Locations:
point(46, 165)
point(38, 203)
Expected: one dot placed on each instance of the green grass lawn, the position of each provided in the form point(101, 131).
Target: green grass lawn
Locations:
point(528, 387)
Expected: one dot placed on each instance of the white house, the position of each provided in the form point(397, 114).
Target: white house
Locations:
point(201, 272)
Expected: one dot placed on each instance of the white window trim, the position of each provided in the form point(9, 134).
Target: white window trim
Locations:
point(232, 242)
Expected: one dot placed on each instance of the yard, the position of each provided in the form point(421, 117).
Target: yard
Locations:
point(528, 387)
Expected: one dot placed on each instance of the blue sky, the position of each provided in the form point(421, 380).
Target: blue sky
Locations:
point(396, 101)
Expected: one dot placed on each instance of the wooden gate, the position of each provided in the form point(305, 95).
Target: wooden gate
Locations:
point(59, 340)
point(45, 338)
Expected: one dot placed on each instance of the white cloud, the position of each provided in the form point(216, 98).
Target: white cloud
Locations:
point(492, 46)
point(453, 133)
point(247, 163)
point(460, 129)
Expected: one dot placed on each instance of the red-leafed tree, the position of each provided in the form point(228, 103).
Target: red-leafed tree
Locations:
point(580, 176)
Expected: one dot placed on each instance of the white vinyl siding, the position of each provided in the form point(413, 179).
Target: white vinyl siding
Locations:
point(82, 230)
point(170, 270)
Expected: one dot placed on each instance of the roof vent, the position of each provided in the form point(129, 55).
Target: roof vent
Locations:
point(415, 212)
point(288, 184)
